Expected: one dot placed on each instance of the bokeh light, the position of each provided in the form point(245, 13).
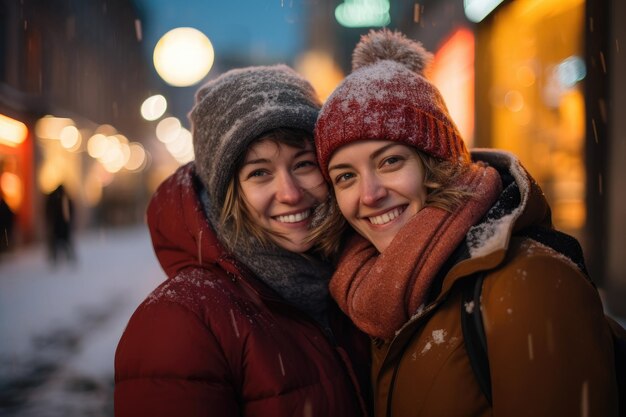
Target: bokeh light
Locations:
point(12, 132)
point(70, 138)
point(50, 127)
point(137, 159)
point(153, 107)
point(12, 190)
point(168, 129)
point(183, 56)
point(363, 13)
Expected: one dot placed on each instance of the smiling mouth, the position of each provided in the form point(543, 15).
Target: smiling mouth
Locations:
point(294, 218)
point(387, 217)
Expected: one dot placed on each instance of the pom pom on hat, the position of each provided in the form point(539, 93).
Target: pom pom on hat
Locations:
point(394, 46)
point(387, 97)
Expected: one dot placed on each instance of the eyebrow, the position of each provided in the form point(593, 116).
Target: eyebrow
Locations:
point(374, 155)
point(268, 161)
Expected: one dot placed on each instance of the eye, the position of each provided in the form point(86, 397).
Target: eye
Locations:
point(305, 163)
point(258, 173)
point(346, 176)
point(391, 160)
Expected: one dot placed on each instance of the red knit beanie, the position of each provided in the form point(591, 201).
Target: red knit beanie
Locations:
point(387, 97)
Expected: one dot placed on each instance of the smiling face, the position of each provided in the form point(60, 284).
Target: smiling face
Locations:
point(281, 185)
point(379, 186)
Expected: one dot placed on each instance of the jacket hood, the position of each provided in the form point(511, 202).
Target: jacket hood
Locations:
point(521, 205)
point(181, 235)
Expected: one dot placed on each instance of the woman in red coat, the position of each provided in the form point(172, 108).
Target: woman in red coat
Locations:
point(244, 325)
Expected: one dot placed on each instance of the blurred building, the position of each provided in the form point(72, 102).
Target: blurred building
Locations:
point(538, 78)
point(71, 70)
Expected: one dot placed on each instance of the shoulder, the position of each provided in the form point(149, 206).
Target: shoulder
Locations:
point(190, 289)
point(187, 304)
point(537, 267)
point(175, 307)
point(179, 321)
point(546, 335)
point(537, 285)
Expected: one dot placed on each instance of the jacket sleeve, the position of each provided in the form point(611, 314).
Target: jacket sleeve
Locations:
point(168, 363)
point(549, 346)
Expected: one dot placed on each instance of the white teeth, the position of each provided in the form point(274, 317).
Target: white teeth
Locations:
point(387, 217)
point(294, 218)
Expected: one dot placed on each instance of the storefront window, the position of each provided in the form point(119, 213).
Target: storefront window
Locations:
point(536, 98)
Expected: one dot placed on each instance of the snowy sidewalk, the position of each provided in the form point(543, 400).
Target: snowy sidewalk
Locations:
point(59, 327)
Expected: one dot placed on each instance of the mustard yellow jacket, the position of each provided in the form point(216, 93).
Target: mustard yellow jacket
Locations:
point(550, 350)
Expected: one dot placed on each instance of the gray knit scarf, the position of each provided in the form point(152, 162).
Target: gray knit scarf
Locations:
point(301, 280)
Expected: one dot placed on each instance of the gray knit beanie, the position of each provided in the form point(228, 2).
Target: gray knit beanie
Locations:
point(238, 107)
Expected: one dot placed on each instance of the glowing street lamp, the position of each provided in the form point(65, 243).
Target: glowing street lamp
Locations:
point(183, 56)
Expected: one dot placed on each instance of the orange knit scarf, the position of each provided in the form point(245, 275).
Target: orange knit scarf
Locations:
point(381, 291)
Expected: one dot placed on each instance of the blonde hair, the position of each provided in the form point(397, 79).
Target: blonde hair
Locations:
point(235, 212)
point(439, 179)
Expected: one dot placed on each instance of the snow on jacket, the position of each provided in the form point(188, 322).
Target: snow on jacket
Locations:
point(214, 341)
point(549, 347)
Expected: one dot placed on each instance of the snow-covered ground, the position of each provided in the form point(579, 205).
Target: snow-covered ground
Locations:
point(59, 326)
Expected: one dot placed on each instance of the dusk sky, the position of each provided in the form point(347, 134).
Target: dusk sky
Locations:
point(247, 28)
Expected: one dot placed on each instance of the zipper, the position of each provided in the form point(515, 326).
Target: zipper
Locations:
point(412, 322)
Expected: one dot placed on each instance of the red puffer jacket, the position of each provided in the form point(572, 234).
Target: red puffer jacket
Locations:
point(214, 341)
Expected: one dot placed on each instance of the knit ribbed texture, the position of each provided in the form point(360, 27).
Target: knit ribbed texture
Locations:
point(388, 99)
point(238, 107)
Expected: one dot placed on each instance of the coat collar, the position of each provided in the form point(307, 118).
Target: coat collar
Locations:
point(183, 238)
point(521, 204)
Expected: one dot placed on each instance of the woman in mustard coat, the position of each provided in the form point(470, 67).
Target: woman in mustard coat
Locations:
point(433, 220)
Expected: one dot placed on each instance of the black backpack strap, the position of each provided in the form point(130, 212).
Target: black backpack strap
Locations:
point(474, 332)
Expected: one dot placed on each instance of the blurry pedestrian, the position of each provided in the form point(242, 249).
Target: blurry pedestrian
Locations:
point(451, 244)
point(59, 213)
point(244, 324)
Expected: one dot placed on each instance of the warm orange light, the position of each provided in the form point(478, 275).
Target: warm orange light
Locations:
point(51, 174)
point(50, 127)
point(12, 132)
point(12, 190)
point(453, 74)
point(321, 70)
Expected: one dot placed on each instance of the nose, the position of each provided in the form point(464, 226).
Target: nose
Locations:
point(288, 190)
point(372, 190)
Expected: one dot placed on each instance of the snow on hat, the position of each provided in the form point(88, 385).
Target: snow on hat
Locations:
point(240, 105)
point(388, 97)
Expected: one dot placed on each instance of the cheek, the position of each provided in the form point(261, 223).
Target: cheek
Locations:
point(255, 199)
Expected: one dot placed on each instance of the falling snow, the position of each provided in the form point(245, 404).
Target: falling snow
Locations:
point(282, 367)
point(531, 351)
point(584, 400)
point(234, 323)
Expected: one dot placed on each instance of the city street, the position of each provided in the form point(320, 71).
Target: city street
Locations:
point(59, 325)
